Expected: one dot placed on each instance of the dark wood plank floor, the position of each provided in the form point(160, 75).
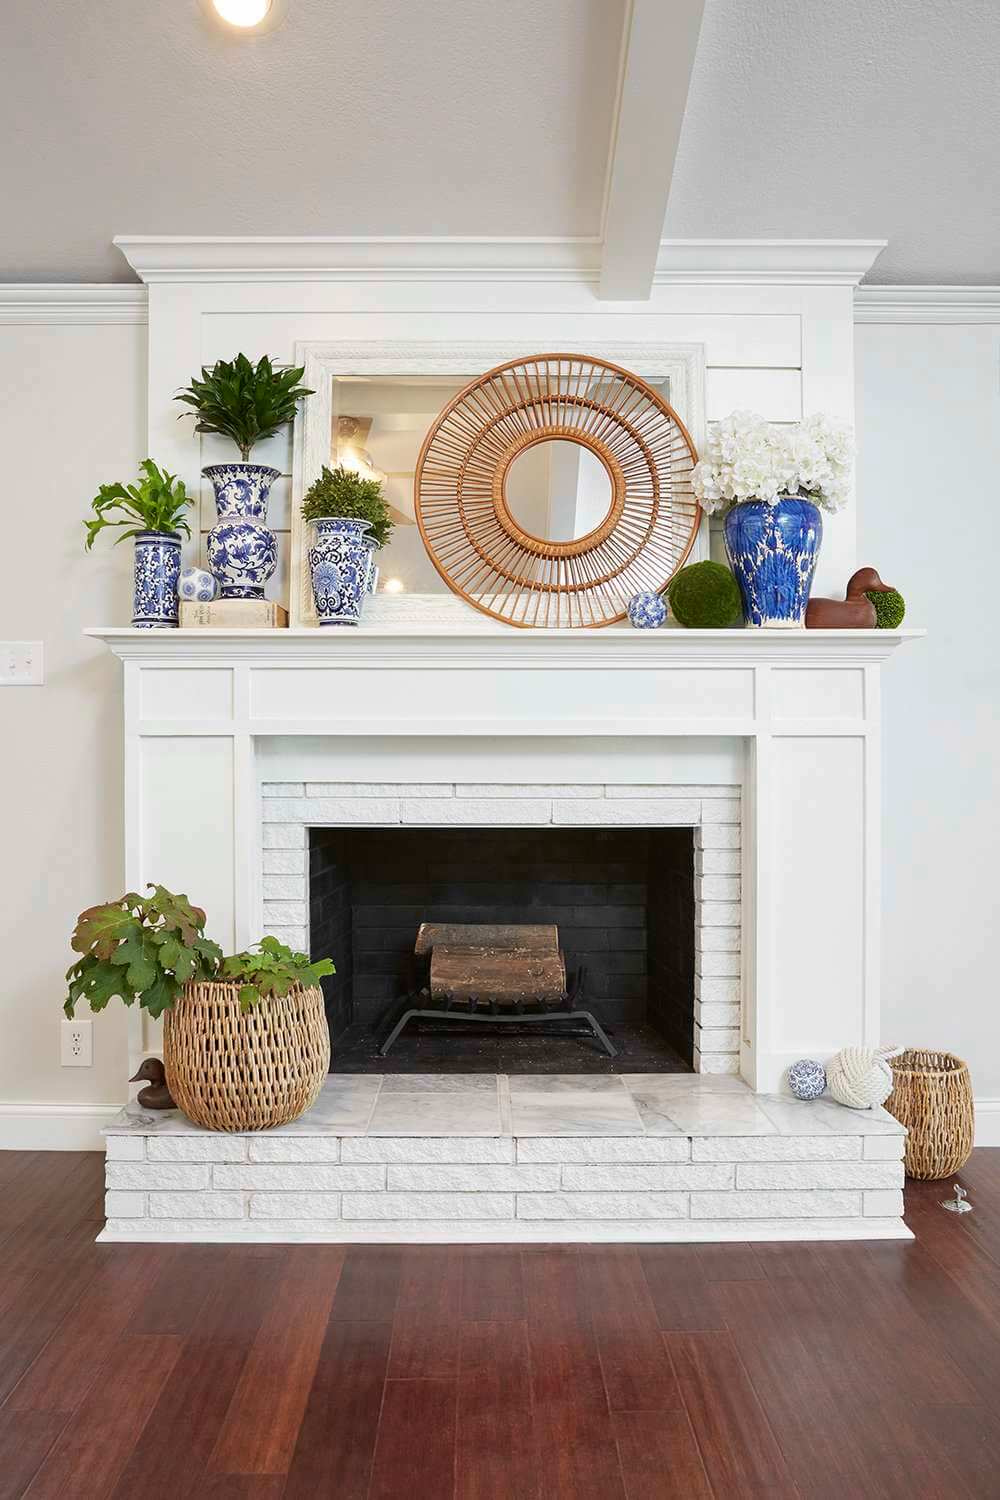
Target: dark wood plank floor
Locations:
point(494, 1373)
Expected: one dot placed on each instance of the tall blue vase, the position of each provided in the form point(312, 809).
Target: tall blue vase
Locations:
point(341, 562)
point(157, 569)
point(242, 551)
point(772, 550)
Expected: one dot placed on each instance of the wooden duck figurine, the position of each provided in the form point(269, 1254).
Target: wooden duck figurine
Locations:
point(856, 612)
point(156, 1095)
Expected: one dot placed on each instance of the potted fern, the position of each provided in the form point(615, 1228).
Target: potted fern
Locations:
point(152, 512)
point(352, 521)
point(245, 402)
point(245, 1039)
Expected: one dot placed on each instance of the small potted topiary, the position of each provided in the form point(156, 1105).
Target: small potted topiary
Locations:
point(151, 511)
point(352, 521)
point(246, 402)
point(245, 1039)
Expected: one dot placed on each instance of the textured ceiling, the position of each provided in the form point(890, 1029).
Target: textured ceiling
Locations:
point(848, 118)
point(806, 119)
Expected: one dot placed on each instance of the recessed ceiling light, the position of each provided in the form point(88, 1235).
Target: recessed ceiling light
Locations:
point(242, 13)
point(245, 16)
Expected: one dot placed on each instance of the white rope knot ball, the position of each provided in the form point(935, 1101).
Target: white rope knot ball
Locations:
point(860, 1077)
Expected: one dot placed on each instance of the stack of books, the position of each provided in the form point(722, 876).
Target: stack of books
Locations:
point(232, 614)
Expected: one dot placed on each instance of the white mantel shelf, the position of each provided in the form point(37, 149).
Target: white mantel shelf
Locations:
point(499, 645)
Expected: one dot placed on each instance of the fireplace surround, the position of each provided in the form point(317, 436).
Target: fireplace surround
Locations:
point(763, 746)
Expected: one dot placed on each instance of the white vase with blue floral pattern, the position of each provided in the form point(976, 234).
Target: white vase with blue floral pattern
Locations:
point(242, 551)
point(342, 562)
point(157, 568)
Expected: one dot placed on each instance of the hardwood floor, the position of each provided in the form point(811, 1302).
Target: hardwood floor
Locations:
point(492, 1372)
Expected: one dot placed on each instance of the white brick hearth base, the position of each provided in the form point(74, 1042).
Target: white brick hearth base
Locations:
point(476, 1157)
point(290, 809)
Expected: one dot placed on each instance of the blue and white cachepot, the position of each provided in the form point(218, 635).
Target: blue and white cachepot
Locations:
point(242, 551)
point(341, 561)
point(772, 550)
point(157, 569)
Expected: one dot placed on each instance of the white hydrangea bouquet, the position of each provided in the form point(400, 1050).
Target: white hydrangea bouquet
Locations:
point(747, 458)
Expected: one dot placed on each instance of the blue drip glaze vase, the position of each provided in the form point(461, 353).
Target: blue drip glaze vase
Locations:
point(242, 550)
point(157, 569)
point(342, 562)
point(772, 550)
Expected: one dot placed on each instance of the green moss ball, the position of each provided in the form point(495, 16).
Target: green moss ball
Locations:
point(705, 596)
point(890, 607)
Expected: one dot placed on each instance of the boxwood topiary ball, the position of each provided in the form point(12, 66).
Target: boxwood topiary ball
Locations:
point(890, 607)
point(705, 596)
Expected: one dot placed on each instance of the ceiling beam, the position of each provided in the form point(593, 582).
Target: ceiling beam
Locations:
point(658, 56)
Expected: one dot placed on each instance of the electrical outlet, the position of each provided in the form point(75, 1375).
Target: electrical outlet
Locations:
point(77, 1044)
point(21, 664)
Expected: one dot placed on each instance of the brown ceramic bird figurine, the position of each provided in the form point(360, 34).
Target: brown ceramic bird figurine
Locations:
point(156, 1095)
point(856, 612)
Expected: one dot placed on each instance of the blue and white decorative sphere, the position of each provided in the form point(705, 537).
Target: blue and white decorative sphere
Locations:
point(647, 611)
point(807, 1079)
point(195, 583)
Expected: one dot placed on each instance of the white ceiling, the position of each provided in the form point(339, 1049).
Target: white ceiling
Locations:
point(805, 119)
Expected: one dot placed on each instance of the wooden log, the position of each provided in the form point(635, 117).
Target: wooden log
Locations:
point(523, 936)
point(462, 972)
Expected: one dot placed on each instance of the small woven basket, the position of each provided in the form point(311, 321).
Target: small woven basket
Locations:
point(229, 1069)
point(932, 1097)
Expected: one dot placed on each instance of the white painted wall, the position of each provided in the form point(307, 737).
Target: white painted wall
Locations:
point(929, 441)
point(72, 415)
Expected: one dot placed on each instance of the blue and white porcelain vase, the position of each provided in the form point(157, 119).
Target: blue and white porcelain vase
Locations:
point(342, 561)
point(772, 550)
point(157, 569)
point(242, 551)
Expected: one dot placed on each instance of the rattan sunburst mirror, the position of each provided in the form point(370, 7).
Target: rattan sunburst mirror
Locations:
point(532, 549)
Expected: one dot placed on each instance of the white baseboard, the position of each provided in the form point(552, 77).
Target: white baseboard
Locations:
point(54, 1127)
point(988, 1122)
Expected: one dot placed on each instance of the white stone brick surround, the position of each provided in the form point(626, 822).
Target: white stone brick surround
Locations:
point(508, 1158)
point(290, 809)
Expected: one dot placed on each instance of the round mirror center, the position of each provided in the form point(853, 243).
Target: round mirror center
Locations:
point(558, 491)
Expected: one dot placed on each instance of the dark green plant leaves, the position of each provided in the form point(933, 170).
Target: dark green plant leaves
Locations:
point(243, 401)
point(342, 492)
point(273, 970)
point(156, 503)
point(142, 948)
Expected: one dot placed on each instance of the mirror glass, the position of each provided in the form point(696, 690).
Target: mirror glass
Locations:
point(558, 490)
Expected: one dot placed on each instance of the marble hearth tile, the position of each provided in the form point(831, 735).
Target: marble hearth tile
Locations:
point(561, 1083)
point(471, 1112)
point(794, 1116)
point(343, 1108)
point(569, 1113)
point(706, 1114)
point(844, 1121)
point(439, 1083)
point(685, 1084)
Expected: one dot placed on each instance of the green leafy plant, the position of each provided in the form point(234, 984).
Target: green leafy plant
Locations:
point(890, 607)
point(143, 948)
point(156, 503)
point(342, 492)
point(273, 969)
point(244, 401)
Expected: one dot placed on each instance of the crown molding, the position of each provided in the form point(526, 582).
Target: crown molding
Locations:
point(273, 258)
point(71, 303)
point(927, 304)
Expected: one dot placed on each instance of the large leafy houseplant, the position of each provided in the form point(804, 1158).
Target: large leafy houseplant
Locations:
point(343, 493)
point(156, 502)
point(244, 401)
point(143, 948)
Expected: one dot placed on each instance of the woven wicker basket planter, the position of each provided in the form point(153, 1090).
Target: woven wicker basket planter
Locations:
point(233, 1070)
point(932, 1097)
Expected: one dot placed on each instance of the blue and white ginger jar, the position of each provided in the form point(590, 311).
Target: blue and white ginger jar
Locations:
point(198, 585)
point(772, 550)
point(342, 562)
point(647, 611)
point(242, 551)
point(157, 569)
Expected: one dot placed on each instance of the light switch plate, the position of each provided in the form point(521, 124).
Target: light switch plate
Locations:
point(21, 664)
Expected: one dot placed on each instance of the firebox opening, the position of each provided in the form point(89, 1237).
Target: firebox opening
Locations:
point(622, 899)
